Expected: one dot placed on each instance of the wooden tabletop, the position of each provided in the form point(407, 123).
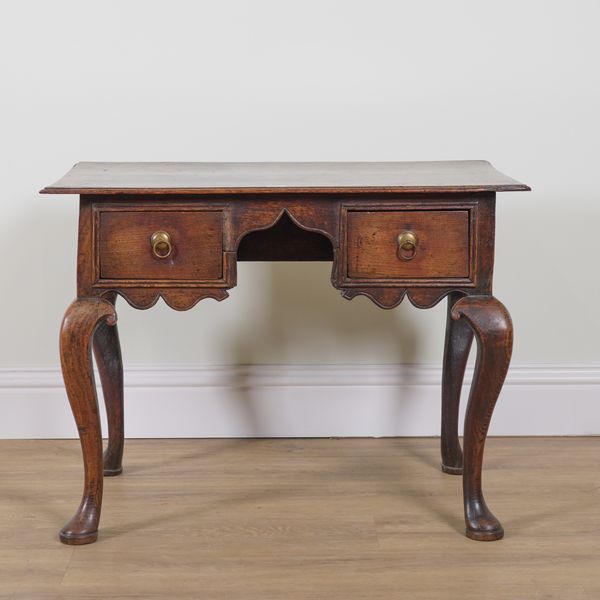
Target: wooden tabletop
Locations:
point(264, 177)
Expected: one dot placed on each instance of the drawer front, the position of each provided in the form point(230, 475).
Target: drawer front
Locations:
point(125, 245)
point(436, 244)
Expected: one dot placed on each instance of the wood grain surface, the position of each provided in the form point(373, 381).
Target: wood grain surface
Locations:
point(442, 244)
point(125, 251)
point(180, 178)
point(302, 520)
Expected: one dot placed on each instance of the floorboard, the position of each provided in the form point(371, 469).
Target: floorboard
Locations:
point(302, 519)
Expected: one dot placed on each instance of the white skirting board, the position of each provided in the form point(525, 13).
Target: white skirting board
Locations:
point(304, 401)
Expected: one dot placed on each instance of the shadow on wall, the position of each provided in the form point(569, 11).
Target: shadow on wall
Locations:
point(304, 310)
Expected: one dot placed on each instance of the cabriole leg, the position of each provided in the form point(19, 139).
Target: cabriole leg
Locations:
point(107, 352)
point(79, 324)
point(493, 329)
point(459, 337)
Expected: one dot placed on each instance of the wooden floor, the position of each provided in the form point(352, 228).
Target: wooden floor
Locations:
point(303, 519)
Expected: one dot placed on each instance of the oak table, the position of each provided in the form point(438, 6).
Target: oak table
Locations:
point(421, 230)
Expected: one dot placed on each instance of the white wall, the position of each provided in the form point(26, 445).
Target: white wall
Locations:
point(513, 82)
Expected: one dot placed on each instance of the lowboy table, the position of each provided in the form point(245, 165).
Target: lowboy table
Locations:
point(424, 230)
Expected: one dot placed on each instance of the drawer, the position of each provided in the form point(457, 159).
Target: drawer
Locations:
point(435, 244)
point(188, 245)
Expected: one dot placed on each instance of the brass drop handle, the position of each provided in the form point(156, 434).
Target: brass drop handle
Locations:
point(161, 244)
point(407, 245)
